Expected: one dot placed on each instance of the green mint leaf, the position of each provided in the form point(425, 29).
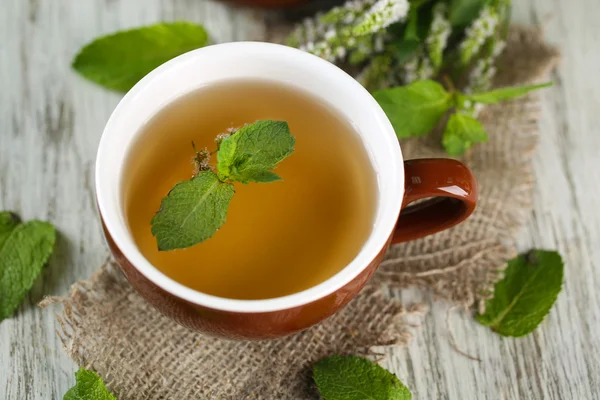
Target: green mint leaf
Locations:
point(463, 12)
point(88, 386)
point(524, 297)
point(356, 378)
point(498, 95)
point(249, 154)
point(24, 250)
point(462, 131)
point(192, 212)
point(120, 60)
point(415, 109)
point(403, 50)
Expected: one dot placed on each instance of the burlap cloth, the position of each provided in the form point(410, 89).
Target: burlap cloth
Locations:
point(108, 327)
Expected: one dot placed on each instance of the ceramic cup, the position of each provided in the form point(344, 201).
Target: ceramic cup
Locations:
point(450, 184)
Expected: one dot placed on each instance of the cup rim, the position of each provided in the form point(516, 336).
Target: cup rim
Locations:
point(110, 204)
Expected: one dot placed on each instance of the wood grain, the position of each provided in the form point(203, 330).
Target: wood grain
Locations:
point(51, 121)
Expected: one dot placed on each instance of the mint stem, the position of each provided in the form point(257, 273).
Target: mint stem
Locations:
point(449, 85)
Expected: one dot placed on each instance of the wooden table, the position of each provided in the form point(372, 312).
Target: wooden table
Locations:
point(51, 121)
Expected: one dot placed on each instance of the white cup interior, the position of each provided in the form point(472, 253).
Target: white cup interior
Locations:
point(261, 61)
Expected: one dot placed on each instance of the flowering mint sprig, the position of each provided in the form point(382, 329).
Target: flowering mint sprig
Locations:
point(381, 15)
point(392, 49)
point(357, 26)
point(379, 73)
point(194, 210)
point(367, 47)
point(347, 14)
point(476, 35)
point(440, 31)
point(418, 68)
point(428, 59)
point(483, 72)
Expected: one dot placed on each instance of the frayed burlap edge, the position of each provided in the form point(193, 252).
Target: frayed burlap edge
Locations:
point(142, 354)
point(107, 327)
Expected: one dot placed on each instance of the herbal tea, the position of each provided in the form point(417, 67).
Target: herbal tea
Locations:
point(279, 238)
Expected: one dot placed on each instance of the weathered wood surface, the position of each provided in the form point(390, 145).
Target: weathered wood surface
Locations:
point(51, 121)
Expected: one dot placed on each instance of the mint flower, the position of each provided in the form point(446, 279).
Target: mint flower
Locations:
point(348, 13)
point(222, 136)
point(381, 15)
point(482, 74)
point(201, 160)
point(379, 74)
point(354, 30)
point(417, 68)
point(440, 31)
point(483, 28)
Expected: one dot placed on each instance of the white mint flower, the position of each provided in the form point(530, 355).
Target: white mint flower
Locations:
point(417, 68)
point(349, 30)
point(440, 31)
point(410, 67)
point(324, 50)
point(478, 33)
point(381, 15)
point(348, 13)
point(484, 71)
point(379, 73)
point(498, 48)
point(425, 70)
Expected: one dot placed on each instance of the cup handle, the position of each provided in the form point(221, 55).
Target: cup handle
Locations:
point(451, 190)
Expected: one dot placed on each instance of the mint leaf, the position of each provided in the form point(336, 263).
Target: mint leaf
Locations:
point(415, 109)
point(24, 250)
point(250, 154)
point(463, 12)
point(524, 297)
point(498, 95)
point(402, 50)
point(355, 378)
point(120, 60)
point(88, 386)
point(192, 212)
point(462, 131)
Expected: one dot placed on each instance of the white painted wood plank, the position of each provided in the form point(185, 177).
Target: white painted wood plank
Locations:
point(51, 121)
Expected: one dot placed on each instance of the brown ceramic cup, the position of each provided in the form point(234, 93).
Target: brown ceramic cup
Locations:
point(448, 186)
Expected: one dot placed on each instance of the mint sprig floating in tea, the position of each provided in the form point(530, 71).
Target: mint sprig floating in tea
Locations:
point(356, 378)
point(195, 209)
point(120, 60)
point(25, 248)
point(88, 386)
point(524, 297)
